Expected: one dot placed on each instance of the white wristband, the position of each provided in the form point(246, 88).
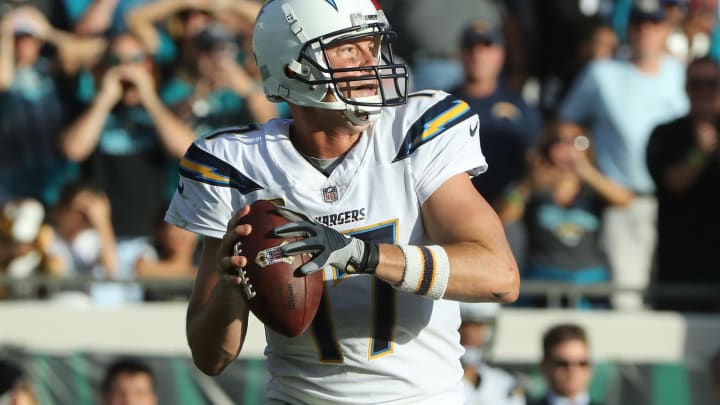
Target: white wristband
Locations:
point(427, 269)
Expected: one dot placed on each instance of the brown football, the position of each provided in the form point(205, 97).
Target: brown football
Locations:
point(281, 300)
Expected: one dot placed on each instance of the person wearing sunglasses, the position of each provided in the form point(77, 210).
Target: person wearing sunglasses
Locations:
point(683, 157)
point(566, 366)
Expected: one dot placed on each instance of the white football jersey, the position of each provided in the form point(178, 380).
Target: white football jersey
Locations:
point(369, 343)
point(497, 387)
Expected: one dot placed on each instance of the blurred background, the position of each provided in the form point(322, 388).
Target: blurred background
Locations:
point(599, 121)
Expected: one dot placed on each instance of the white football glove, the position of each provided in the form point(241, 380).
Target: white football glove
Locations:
point(328, 246)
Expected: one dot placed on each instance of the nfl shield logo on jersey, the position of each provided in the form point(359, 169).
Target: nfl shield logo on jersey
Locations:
point(330, 194)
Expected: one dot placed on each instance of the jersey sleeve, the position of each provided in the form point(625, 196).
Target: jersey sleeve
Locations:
point(206, 196)
point(441, 143)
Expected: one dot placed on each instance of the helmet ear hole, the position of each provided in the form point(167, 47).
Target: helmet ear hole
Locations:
point(288, 72)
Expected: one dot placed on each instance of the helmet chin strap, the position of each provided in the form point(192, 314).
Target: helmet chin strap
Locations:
point(361, 115)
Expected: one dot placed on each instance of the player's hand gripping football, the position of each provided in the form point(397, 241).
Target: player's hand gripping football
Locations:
point(328, 246)
point(228, 256)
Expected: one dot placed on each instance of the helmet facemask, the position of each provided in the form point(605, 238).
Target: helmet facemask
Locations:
point(389, 79)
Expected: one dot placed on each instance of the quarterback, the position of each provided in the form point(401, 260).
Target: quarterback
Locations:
point(360, 158)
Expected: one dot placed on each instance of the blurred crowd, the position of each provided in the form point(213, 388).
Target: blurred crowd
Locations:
point(98, 102)
point(599, 122)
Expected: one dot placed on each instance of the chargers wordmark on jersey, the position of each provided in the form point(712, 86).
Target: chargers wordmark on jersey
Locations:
point(436, 120)
point(201, 166)
point(341, 218)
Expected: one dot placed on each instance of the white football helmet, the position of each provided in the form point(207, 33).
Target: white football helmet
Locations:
point(290, 39)
point(485, 313)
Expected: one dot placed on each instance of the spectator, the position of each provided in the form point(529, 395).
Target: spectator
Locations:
point(213, 81)
point(432, 53)
point(171, 255)
point(508, 126)
point(106, 17)
point(217, 91)
point(22, 237)
point(566, 366)
point(715, 375)
point(129, 143)
point(603, 43)
point(53, 10)
point(15, 387)
point(35, 102)
point(676, 14)
point(84, 238)
point(684, 161)
point(561, 202)
point(561, 30)
point(129, 382)
point(484, 384)
point(692, 23)
point(699, 25)
point(620, 102)
point(189, 18)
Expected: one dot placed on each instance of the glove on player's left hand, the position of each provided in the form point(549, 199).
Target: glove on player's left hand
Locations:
point(328, 246)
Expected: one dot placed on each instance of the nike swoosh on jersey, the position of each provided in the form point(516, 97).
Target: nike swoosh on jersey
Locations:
point(473, 130)
point(445, 114)
point(204, 167)
point(180, 187)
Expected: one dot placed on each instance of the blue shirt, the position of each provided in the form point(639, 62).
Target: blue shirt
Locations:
point(621, 106)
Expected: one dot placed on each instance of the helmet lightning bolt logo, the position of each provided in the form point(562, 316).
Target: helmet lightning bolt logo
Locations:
point(332, 3)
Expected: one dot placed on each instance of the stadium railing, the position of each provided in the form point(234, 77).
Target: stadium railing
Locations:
point(555, 293)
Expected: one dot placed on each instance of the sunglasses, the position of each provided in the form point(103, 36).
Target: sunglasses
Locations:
point(116, 59)
point(565, 363)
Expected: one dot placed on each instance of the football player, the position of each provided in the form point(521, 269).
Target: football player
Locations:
point(379, 183)
point(484, 384)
